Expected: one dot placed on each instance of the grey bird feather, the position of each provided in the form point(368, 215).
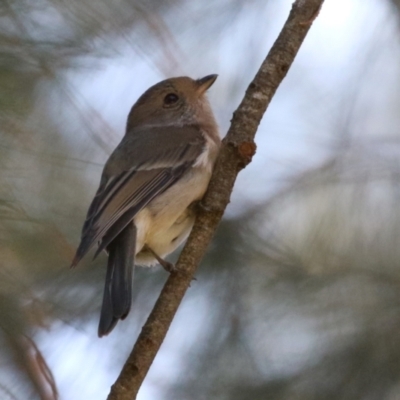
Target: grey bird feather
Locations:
point(130, 184)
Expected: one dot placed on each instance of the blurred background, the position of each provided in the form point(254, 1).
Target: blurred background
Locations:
point(299, 294)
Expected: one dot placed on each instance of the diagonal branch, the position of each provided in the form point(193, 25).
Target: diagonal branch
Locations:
point(236, 152)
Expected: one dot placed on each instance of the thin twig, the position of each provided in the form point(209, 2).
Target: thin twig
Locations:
point(236, 152)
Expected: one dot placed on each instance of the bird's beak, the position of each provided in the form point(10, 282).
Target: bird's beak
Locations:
point(205, 83)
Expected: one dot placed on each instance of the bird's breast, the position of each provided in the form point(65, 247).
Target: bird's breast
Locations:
point(167, 220)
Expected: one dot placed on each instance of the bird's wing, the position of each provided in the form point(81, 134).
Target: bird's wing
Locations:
point(146, 163)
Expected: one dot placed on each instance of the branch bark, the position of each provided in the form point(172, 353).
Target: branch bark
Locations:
point(236, 152)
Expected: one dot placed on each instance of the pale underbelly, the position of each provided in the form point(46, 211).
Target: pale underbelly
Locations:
point(167, 221)
point(165, 239)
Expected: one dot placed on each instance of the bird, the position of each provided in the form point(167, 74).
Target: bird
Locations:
point(145, 205)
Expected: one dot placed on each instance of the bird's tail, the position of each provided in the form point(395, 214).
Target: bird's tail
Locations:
point(117, 296)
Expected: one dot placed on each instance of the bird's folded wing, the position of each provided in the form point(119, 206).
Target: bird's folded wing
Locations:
point(122, 194)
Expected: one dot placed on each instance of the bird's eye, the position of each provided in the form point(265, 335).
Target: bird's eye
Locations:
point(170, 98)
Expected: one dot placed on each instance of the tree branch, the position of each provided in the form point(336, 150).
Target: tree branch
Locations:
point(236, 152)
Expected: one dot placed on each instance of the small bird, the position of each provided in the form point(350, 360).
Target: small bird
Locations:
point(145, 205)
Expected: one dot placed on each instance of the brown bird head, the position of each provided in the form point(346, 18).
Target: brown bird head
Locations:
point(175, 101)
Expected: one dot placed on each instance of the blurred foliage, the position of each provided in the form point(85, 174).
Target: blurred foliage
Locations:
point(298, 297)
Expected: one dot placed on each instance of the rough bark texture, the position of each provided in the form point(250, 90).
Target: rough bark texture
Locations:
point(237, 151)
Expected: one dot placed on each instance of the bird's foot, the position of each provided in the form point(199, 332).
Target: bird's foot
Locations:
point(168, 266)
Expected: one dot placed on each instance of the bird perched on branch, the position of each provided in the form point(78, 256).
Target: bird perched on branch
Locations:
point(143, 209)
